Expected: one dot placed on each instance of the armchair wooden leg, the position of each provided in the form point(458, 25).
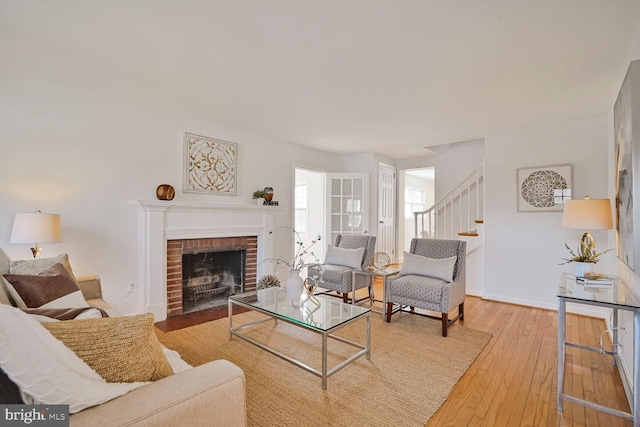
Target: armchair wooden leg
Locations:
point(461, 311)
point(389, 308)
point(445, 324)
point(345, 297)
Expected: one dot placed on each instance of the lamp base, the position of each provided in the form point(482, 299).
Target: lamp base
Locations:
point(587, 244)
point(36, 251)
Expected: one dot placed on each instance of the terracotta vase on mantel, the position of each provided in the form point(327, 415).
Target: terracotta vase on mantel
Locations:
point(269, 195)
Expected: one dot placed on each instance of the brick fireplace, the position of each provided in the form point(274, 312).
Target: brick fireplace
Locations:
point(177, 249)
point(161, 223)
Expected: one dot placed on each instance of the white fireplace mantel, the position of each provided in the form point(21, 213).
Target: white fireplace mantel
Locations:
point(159, 221)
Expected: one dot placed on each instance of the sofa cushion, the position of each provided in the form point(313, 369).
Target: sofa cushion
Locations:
point(120, 349)
point(336, 274)
point(46, 371)
point(351, 258)
point(52, 288)
point(420, 288)
point(430, 267)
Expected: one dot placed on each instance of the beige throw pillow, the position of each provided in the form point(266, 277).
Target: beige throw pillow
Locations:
point(36, 265)
point(120, 349)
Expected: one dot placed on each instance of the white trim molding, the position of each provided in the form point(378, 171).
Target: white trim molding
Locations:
point(159, 221)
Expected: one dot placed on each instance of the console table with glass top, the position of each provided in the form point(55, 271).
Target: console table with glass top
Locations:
point(617, 297)
point(323, 316)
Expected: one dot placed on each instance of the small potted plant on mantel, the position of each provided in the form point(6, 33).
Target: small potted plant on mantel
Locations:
point(583, 259)
point(259, 196)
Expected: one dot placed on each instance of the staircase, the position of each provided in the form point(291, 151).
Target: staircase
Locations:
point(456, 215)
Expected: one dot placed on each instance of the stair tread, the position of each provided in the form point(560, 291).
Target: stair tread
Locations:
point(479, 221)
point(468, 233)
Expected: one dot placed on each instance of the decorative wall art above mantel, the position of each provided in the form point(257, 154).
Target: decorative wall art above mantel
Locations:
point(544, 188)
point(210, 165)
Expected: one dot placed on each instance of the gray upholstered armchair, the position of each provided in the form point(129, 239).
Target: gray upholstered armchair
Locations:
point(434, 280)
point(340, 262)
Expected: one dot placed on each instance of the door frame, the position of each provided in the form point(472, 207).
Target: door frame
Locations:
point(394, 209)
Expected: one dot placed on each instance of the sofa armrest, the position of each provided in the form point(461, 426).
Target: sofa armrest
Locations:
point(92, 292)
point(90, 286)
point(209, 394)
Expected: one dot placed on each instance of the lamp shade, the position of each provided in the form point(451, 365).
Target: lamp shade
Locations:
point(36, 228)
point(587, 214)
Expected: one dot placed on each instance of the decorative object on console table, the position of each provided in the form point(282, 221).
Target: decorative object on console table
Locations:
point(210, 165)
point(165, 192)
point(581, 269)
point(36, 228)
point(587, 214)
point(545, 188)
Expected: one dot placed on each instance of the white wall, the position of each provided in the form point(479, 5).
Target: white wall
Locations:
point(451, 166)
point(85, 157)
point(523, 249)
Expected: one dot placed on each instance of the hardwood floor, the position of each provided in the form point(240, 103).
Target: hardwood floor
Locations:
point(513, 382)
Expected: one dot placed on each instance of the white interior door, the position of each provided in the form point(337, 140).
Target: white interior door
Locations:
point(309, 209)
point(386, 207)
point(348, 204)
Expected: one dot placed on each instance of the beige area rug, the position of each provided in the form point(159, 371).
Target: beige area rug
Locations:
point(411, 372)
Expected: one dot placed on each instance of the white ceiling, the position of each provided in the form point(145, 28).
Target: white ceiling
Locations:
point(383, 76)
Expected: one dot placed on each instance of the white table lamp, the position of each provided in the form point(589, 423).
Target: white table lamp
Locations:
point(587, 214)
point(36, 228)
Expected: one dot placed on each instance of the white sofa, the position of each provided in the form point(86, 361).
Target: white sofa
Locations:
point(209, 394)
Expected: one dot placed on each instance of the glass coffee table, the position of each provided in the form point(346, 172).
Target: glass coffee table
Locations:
point(325, 316)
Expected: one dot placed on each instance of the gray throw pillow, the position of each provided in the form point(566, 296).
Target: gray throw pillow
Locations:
point(430, 267)
point(342, 256)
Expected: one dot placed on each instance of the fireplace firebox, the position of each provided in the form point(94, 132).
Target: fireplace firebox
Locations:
point(203, 273)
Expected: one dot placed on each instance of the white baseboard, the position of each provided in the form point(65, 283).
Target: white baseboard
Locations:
point(585, 310)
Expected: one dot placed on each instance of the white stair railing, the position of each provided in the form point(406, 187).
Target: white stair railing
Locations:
point(457, 213)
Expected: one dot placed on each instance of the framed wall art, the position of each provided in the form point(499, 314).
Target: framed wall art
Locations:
point(626, 125)
point(544, 188)
point(210, 165)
